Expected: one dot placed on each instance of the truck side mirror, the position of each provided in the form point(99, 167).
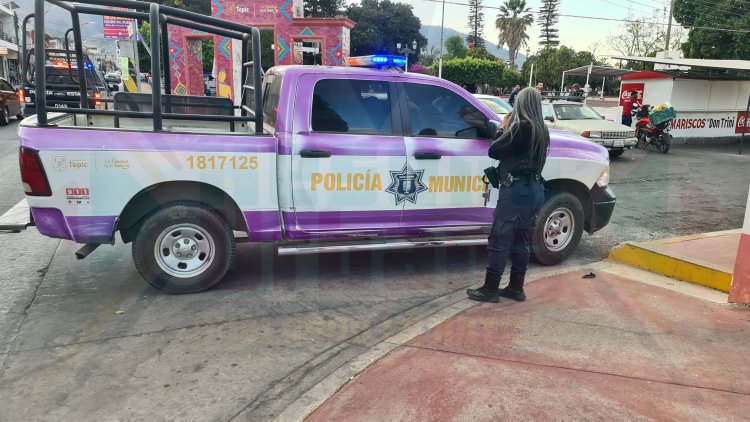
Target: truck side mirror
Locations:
point(493, 128)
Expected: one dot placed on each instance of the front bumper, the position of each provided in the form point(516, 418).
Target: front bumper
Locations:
point(617, 143)
point(603, 205)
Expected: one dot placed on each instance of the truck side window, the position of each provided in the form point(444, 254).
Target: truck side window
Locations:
point(439, 112)
point(352, 106)
point(271, 99)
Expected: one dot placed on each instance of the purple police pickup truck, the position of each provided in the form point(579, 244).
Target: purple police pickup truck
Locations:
point(330, 160)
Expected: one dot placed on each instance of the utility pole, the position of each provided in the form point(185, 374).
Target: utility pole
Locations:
point(669, 26)
point(442, 25)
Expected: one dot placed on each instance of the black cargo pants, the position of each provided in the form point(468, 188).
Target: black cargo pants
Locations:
point(513, 223)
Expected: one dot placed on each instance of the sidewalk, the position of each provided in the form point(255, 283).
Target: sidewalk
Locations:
point(604, 348)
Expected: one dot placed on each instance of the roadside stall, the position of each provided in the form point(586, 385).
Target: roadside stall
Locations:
point(710, 97)
point(591, 70)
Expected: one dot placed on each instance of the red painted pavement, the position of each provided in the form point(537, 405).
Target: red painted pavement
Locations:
point(718, 250)
point(604, 348)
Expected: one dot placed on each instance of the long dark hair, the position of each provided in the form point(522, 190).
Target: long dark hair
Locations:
point(528, 108)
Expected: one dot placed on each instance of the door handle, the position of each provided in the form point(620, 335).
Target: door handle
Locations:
point(312, 153)
point(427, 156)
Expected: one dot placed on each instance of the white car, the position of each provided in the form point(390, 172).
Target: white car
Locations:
point(583, 120)
point(496, 104)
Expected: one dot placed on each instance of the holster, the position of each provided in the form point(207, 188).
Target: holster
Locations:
point(493, 176)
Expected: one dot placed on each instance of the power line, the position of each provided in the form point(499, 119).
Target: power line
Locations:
point(742, 31)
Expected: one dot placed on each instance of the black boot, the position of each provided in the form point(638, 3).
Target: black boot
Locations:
point(487, 293)
point(515, 288)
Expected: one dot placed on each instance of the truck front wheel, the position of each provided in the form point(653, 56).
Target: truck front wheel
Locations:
point(184, 247)
point(558, 228)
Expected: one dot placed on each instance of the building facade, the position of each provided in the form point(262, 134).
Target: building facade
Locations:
point(296, 40)
point(9, 42)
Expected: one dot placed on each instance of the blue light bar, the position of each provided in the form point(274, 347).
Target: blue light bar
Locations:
point(378, 61)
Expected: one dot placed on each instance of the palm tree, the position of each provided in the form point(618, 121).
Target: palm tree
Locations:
point(512, 21)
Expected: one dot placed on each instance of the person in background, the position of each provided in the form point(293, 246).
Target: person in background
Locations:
point(522, 151)
point(631, 103)
point(540, 87)
point(512, 98)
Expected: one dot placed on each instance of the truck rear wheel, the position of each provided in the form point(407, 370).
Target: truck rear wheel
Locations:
point(558, 228)
point(184, 247)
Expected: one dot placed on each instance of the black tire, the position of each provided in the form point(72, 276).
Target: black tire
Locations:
point(200, 228)
point(664, 148)
point(558, 203)
point(19, 116)
point(616, 153)
point(4, 116)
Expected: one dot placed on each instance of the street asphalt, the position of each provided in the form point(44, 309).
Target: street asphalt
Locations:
point(89, 340)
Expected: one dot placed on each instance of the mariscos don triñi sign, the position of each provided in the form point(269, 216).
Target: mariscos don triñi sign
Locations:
point(709, 124)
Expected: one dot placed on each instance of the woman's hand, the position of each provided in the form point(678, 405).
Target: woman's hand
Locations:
point(506, 120)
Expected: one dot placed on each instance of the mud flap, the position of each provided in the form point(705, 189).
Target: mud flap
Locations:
point(17, 218)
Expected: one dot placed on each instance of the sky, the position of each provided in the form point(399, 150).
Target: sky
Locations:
point(578, 33)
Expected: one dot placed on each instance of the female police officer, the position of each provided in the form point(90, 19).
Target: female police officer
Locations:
point(522, 151)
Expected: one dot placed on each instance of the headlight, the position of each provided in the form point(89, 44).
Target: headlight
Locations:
point(594, 135)
point(603, 179)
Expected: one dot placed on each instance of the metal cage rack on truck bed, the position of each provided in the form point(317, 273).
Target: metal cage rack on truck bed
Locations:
point(162, 106)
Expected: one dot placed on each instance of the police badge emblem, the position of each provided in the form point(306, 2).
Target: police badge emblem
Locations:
point(406, 184)
point(59, 163)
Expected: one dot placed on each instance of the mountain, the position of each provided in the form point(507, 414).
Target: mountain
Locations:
point(432, 33)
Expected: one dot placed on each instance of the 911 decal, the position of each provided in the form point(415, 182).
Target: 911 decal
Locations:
point(221, 162)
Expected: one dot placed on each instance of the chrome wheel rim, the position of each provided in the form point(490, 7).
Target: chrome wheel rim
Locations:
point(184, 250)
point(559, 228)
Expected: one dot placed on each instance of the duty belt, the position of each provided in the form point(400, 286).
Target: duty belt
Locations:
point(521, 177)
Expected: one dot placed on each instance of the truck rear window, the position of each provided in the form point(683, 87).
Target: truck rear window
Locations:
point(352, 106)
point(271, 99)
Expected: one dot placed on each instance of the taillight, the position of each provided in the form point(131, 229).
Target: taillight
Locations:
point(32, 173)
point(97, 98)
point(21, 96)
point(586, 134)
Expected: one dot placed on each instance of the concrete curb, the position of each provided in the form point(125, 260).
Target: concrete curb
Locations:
point(309, 401)
point(645, 255)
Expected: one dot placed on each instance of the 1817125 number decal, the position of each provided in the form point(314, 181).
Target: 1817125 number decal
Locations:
point(221, 162)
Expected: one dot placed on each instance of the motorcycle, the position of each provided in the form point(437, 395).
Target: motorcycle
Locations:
point(656, 135)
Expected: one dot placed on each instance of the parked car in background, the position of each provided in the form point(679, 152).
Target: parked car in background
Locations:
point(113, 77)
point(63, 89)
point(580, 119)
point(496, 104)
point(10, 103)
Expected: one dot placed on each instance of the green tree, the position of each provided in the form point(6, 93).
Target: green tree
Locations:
point(551, 63)
point(380, 25)
point(198, 6)
point(323, 8)
point(549, 14)
point(476, 24)
point(144, 59)
point(207, 49)
point(455, 47)
point(644, 36)
point(481, 53)
point(714, 44)
point(469, 71)
point(512, 21)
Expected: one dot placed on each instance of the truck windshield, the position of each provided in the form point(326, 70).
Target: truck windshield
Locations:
point(575, 112)
point(61, 76)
